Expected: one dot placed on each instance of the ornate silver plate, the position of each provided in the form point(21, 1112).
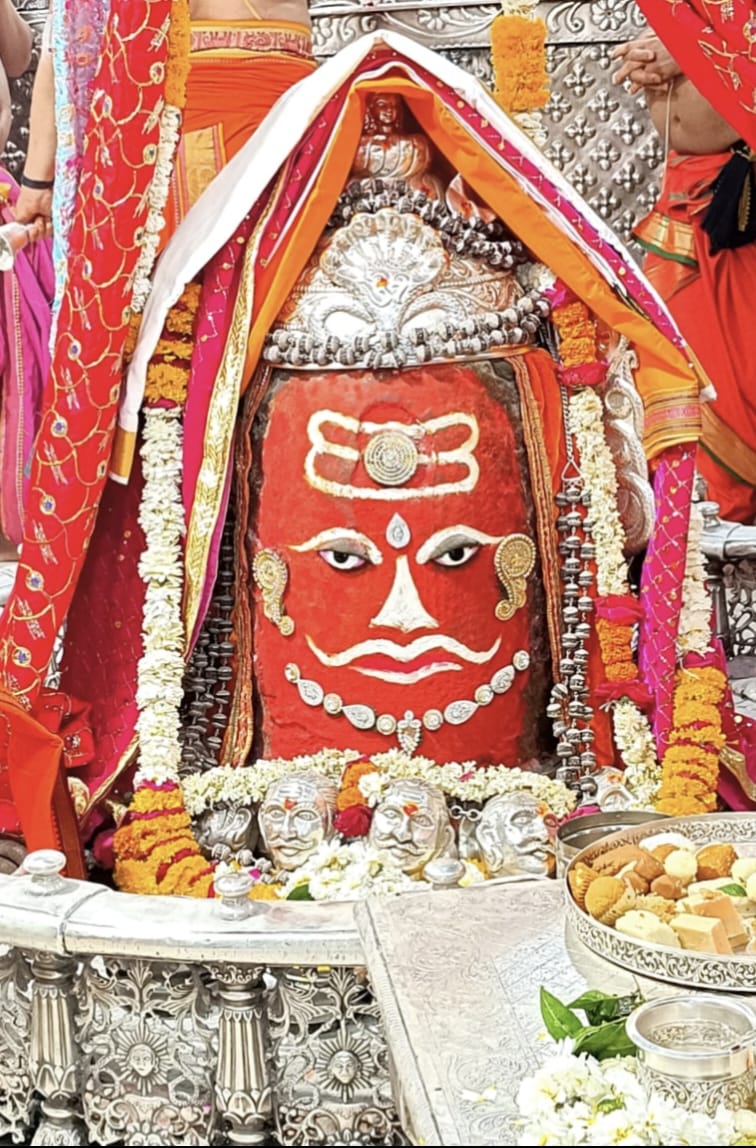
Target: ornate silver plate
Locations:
point(675, 966)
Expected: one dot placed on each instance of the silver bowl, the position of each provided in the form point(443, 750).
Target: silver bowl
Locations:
point(696, 1050)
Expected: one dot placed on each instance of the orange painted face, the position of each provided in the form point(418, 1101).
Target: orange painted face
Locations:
point(387, 496)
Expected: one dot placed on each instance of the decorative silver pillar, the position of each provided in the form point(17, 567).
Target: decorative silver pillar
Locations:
point(242, 1087)
point(53, 1058)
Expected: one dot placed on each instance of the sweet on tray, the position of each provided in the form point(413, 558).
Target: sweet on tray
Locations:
point(666, 891)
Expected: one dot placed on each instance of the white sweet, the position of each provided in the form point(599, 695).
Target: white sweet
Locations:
point(671, 838)
point(681, 864)
point(743, 868)
point(645, 926)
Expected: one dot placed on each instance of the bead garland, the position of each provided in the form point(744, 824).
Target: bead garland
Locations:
point(568, 707)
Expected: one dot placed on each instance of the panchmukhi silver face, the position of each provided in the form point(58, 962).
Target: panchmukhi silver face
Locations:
point(513, 835)
point(296, 816)
point(411, 822)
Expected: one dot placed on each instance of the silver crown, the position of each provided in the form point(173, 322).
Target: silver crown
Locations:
point(385, 291)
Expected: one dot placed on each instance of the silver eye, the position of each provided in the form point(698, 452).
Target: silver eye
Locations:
point(342, 559)
point(457, 555)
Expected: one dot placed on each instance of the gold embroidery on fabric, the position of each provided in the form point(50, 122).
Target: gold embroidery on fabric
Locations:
point(219, 432)
point(237, 741)
point(200, 157)
point(543, 499)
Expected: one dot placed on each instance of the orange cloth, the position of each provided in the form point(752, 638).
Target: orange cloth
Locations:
point(229, 92)
point(711, 298)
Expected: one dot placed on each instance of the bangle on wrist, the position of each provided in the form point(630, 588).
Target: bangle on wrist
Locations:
point(36, 184)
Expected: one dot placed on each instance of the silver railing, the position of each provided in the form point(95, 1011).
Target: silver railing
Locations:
point(138, 1020)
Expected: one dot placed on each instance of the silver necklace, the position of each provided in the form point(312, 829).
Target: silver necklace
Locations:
point(409, 728)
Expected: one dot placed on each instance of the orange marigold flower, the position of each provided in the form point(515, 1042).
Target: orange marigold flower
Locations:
point(518, 55)
point(263, 892)
point(349, 797)
point(178, 879)
point(621, 672)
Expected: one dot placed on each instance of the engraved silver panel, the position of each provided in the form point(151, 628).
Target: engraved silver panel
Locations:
point(147, 1032)
point(330, 1070)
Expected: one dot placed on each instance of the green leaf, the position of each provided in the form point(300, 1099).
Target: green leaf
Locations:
point(559, 1021)
point(597, 1006)
point(603, 1041)
point(300, 893)
point(733, 890)
point(601, 1007)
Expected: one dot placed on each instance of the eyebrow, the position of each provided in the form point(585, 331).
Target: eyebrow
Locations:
point(459, 534)
point(326, 538)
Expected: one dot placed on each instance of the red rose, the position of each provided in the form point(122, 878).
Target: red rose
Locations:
point(354, 821)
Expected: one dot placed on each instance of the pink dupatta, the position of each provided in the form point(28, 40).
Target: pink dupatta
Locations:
point(26, 295)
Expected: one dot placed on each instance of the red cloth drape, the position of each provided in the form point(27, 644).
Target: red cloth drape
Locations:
point(715, 45)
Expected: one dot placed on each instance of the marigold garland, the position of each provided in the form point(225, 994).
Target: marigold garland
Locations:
point(615, 642)
point(690, 767)
point(580, 363)
point(518, 52)
point(170, 366)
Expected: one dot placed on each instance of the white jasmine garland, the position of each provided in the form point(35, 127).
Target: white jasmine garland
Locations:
point(585, 414)
point(157, 196)
point(462, 781)
point(635, 741)
point(161, 668)
point(694, 633)
point(579, 1100)
point(632, 730)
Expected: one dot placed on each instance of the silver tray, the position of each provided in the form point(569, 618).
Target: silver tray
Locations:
point(735, 973)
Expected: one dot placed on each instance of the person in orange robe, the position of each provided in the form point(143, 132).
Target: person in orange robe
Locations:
point(700, 242)
point(243, 57)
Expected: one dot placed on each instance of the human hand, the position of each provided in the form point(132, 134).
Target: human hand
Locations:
point(34, 207)
point(645, 62)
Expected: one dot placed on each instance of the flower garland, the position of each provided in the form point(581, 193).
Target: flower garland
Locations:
point(177, 72)
point(461, 781)
point(518, 57)
point(580, 365)
point(690, 766)
point(635, 742)
point(616, 608)
point(156, 850)
point(576, 1099)
point(359, 781)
